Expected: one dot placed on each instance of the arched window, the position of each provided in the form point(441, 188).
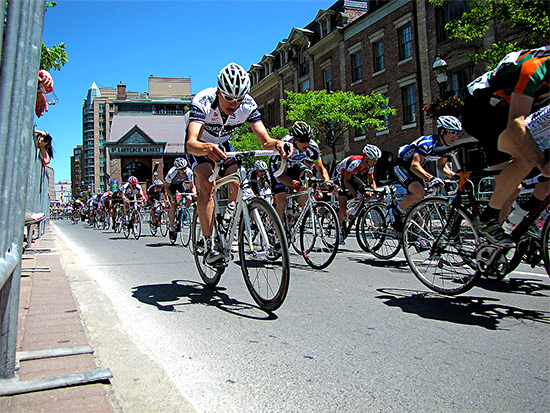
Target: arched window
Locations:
point(140, 171)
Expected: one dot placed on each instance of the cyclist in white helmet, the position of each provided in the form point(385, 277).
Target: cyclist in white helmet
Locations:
point(411, 158)
point(179, 178)
point(351, 185)
point(215, 114)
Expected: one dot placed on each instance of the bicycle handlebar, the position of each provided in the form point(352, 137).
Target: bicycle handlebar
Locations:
point(248, 154)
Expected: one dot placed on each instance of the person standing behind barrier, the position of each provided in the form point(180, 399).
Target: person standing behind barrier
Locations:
point(409, 170)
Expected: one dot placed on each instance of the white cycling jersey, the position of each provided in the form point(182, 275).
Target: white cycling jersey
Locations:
point(172, 177)
point(205, 109)
point(129, 192)
point(538, 124)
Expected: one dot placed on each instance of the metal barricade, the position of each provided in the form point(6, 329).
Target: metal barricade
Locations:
point(23, 181)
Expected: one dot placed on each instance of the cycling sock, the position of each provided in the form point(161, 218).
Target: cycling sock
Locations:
point(489, 213)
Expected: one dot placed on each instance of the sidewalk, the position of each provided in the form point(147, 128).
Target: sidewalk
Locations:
point(49, 319)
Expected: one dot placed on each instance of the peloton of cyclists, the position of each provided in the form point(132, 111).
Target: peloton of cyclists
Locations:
point(179, 178)
point(351, 185)
point(215, 114)
point(305, 148)
point(409, 170)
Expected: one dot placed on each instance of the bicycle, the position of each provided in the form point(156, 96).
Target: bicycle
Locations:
point(183, 218)
point(262, 245)
point(455, 255)
point(159, 212)
point(132, 220)
point(315, 225)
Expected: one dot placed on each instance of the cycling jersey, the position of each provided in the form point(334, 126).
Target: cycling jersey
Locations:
point(538, 124)
point(205, 109)
point(423, 146)
point(352, 165)
point(296, 161)
point(105, 197)
point(129, 193)
point(155, 195)
point(174, 178)
point(256, 182)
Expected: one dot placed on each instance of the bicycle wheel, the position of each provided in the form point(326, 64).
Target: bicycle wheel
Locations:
point(441, 244)
point(544, 245)
point(319, 235)
point(210, 275)
point(164, 223)
point(126, 226)
point(375, 232)
point(177, 221)
point(263, 254)
point(152, 226)
point(185, 232)
point(136, 224)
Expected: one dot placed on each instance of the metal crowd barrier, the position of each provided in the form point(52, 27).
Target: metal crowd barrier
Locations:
point(23, 181)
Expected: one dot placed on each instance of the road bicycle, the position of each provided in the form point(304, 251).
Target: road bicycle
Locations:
point(132, 220)
point(183, 218)
point(161, 219)
point(312, 229)
point(441, 242)
point(262, 244)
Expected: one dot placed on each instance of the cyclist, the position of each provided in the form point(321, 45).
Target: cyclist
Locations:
point(77, 208)
point(496, 109)
point(105, 203)
point(305, 148)
point(257, 177)
point(156, 194)
point(130, 190)
point(350, 184)
point(93, 205)
point(116, 202)
point(411, 159)
point(179, 178)
point(215, 114)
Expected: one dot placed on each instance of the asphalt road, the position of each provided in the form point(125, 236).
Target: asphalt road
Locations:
point(362, 335)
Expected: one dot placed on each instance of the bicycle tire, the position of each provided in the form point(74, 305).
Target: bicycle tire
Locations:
point(125, 224)
point(544, 245)
point(152, 227)
point(442, 256)
point(164, 223)
point(319, 247)
point(266, 271)
point(376, 233)
point(136, 225)
point(177, 219)
point(185, 228)
point(209, 274)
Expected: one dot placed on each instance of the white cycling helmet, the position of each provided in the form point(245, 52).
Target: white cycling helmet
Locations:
point(260, 165)
point(449, 123)
point(180, 163)
point(372, 152)
point(233, 81)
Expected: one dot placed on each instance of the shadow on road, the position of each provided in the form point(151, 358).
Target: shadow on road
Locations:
point(478, 311)
point(167, 297)
point(525, 286)
point(376, 262)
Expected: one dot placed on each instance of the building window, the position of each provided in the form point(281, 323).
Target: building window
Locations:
point(405, 42)
point(304, 66)
point(271, 114)
point(327, 79)
point(409, 104)
point(460, 79)
point(356, 73)
point(445, 14)
point(378, 55)
point(304, 85)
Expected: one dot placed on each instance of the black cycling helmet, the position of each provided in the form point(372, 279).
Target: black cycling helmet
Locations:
point(301, 131)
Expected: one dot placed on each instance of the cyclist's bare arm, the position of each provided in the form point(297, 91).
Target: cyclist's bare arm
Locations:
point(416, 168)
point(260, 131)
point(195, 147)
point(444, 168)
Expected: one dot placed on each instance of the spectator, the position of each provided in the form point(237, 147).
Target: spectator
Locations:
point(44, 143)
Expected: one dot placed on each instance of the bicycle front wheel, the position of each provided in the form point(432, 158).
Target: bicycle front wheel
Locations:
point(375, 233)
point(319, 235)
point(152, 226)
point(544, 245)
point(185, 232)
point(440, 244)
point(210, 274)
point(136, 225)
point(164, 223)
point(263, 253)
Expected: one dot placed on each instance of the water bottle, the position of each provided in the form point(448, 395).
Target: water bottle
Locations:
point(228, 215)
point(352, 207)
point(50, 95)
point(514, 218)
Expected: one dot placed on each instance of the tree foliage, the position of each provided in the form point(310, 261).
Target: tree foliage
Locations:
point(244, 140)
point(530, 19)
point(55, 57)
point(331, 114)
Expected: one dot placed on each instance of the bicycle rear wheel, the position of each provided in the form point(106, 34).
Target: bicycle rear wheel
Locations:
point(320, 235)
point(185, 231)
point(126, 224)
point(263, 255)
point(210, 275)
point(136, 224)
point(375, 233)
point(440, 244)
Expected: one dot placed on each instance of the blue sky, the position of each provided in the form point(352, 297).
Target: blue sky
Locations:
point(110, 41)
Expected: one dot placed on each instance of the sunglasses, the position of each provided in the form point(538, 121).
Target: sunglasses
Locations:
point(453, 132)
point(231, 99)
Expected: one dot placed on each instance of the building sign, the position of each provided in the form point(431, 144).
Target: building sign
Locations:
point(136, 150)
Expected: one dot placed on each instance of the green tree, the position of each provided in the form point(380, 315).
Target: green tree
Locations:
point(55, 57)
point(244, 140)
point(528, 19)
point(331, 114)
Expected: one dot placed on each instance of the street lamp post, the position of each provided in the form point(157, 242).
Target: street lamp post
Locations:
point(440, 68)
